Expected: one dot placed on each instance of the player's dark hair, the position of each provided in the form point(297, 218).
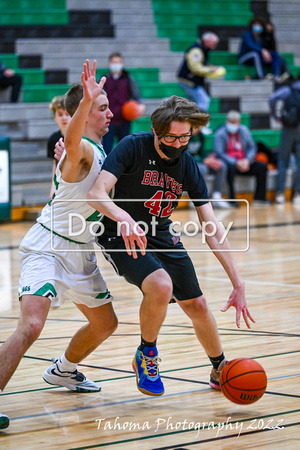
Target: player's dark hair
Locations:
point(73, 97)
point(177, 109)
point(257, 19)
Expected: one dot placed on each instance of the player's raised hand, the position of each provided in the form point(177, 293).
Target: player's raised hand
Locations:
point(91, 88)
point(238, 301)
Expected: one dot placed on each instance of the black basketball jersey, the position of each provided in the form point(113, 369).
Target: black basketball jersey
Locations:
point(147, 185)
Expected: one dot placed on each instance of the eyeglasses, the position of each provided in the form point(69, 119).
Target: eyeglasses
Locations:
point(182, 139)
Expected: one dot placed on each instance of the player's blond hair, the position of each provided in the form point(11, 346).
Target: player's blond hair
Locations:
point(57, 103)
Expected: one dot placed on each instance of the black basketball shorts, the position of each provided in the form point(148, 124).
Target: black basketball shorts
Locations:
point(163, 252)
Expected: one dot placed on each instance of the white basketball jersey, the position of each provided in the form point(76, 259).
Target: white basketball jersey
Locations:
point(68, 213)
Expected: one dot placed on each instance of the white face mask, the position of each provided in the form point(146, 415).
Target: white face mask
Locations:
point(232, 127)
point(116, 68)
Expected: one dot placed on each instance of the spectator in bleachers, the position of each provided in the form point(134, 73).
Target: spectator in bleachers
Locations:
point(290, 136)
point(120, 87)
point(62, 118)
point(234, 145)
point(254, 50)
point(209, 164)
point(195, 68)
point(8, 78)
point(270, 44)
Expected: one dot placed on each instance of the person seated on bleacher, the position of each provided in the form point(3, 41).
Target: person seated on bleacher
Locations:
point(209, 164)
point(194, 68)
point(234, 145)
point(270, 44)
point(255, 51)
point(8, 78)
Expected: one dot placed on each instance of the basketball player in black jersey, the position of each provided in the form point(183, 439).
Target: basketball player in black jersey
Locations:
point(156, 168)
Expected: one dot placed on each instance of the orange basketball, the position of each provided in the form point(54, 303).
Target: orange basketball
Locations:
point(261, 157)
point(130, 110)
point(243, 381)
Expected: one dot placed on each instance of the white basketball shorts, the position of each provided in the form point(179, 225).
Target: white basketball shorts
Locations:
point(61, 270)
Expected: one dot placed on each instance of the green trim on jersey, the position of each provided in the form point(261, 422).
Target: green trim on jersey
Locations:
point(63, 237)
point(56, 187)
point(45, 290)
point(101, 149)
point(95, 217)
point(103, 295)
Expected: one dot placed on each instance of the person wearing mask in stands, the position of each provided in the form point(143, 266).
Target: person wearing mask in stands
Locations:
point(120, 87)
point(234, 145)
point(253, 51)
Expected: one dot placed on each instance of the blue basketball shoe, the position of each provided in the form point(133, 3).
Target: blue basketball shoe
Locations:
point(145, 365)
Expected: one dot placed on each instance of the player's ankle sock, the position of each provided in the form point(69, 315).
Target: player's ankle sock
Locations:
point(146, 344)
point(217, 360)
point(65, 365)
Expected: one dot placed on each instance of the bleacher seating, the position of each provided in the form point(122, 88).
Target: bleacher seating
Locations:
point(180, 20)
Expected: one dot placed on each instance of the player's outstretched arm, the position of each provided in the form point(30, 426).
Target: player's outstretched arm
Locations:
point(215, 241)
point(99, 199)
point(74, 147)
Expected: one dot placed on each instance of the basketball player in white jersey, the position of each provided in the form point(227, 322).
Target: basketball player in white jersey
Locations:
point(56, 265)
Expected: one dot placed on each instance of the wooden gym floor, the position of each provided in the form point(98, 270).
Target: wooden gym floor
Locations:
point(190, 415)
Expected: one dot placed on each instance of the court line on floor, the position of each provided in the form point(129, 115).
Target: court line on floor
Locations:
point(132, 375)
point(10, 247)
point(253, 263)
point(172, 333)
point(121, 402)
point(234, 228)
point(261, 283)
point(212, 267)
point(221, 438)
point(266, 225)
point(116, 403)
point(228, 423)
point(229, 330)
point(172, 433)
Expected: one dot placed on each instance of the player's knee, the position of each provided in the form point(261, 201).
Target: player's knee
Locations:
point(195, 307)
point(201, 305)
point(107, 326)
point(113, 325)
point(162, 289)
point(32, 329)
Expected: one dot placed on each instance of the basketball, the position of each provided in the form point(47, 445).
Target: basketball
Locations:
point(261, 157)
point(243, 381)
point(130, 110)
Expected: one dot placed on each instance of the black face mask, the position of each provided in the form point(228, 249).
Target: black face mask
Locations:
point(172, 152)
